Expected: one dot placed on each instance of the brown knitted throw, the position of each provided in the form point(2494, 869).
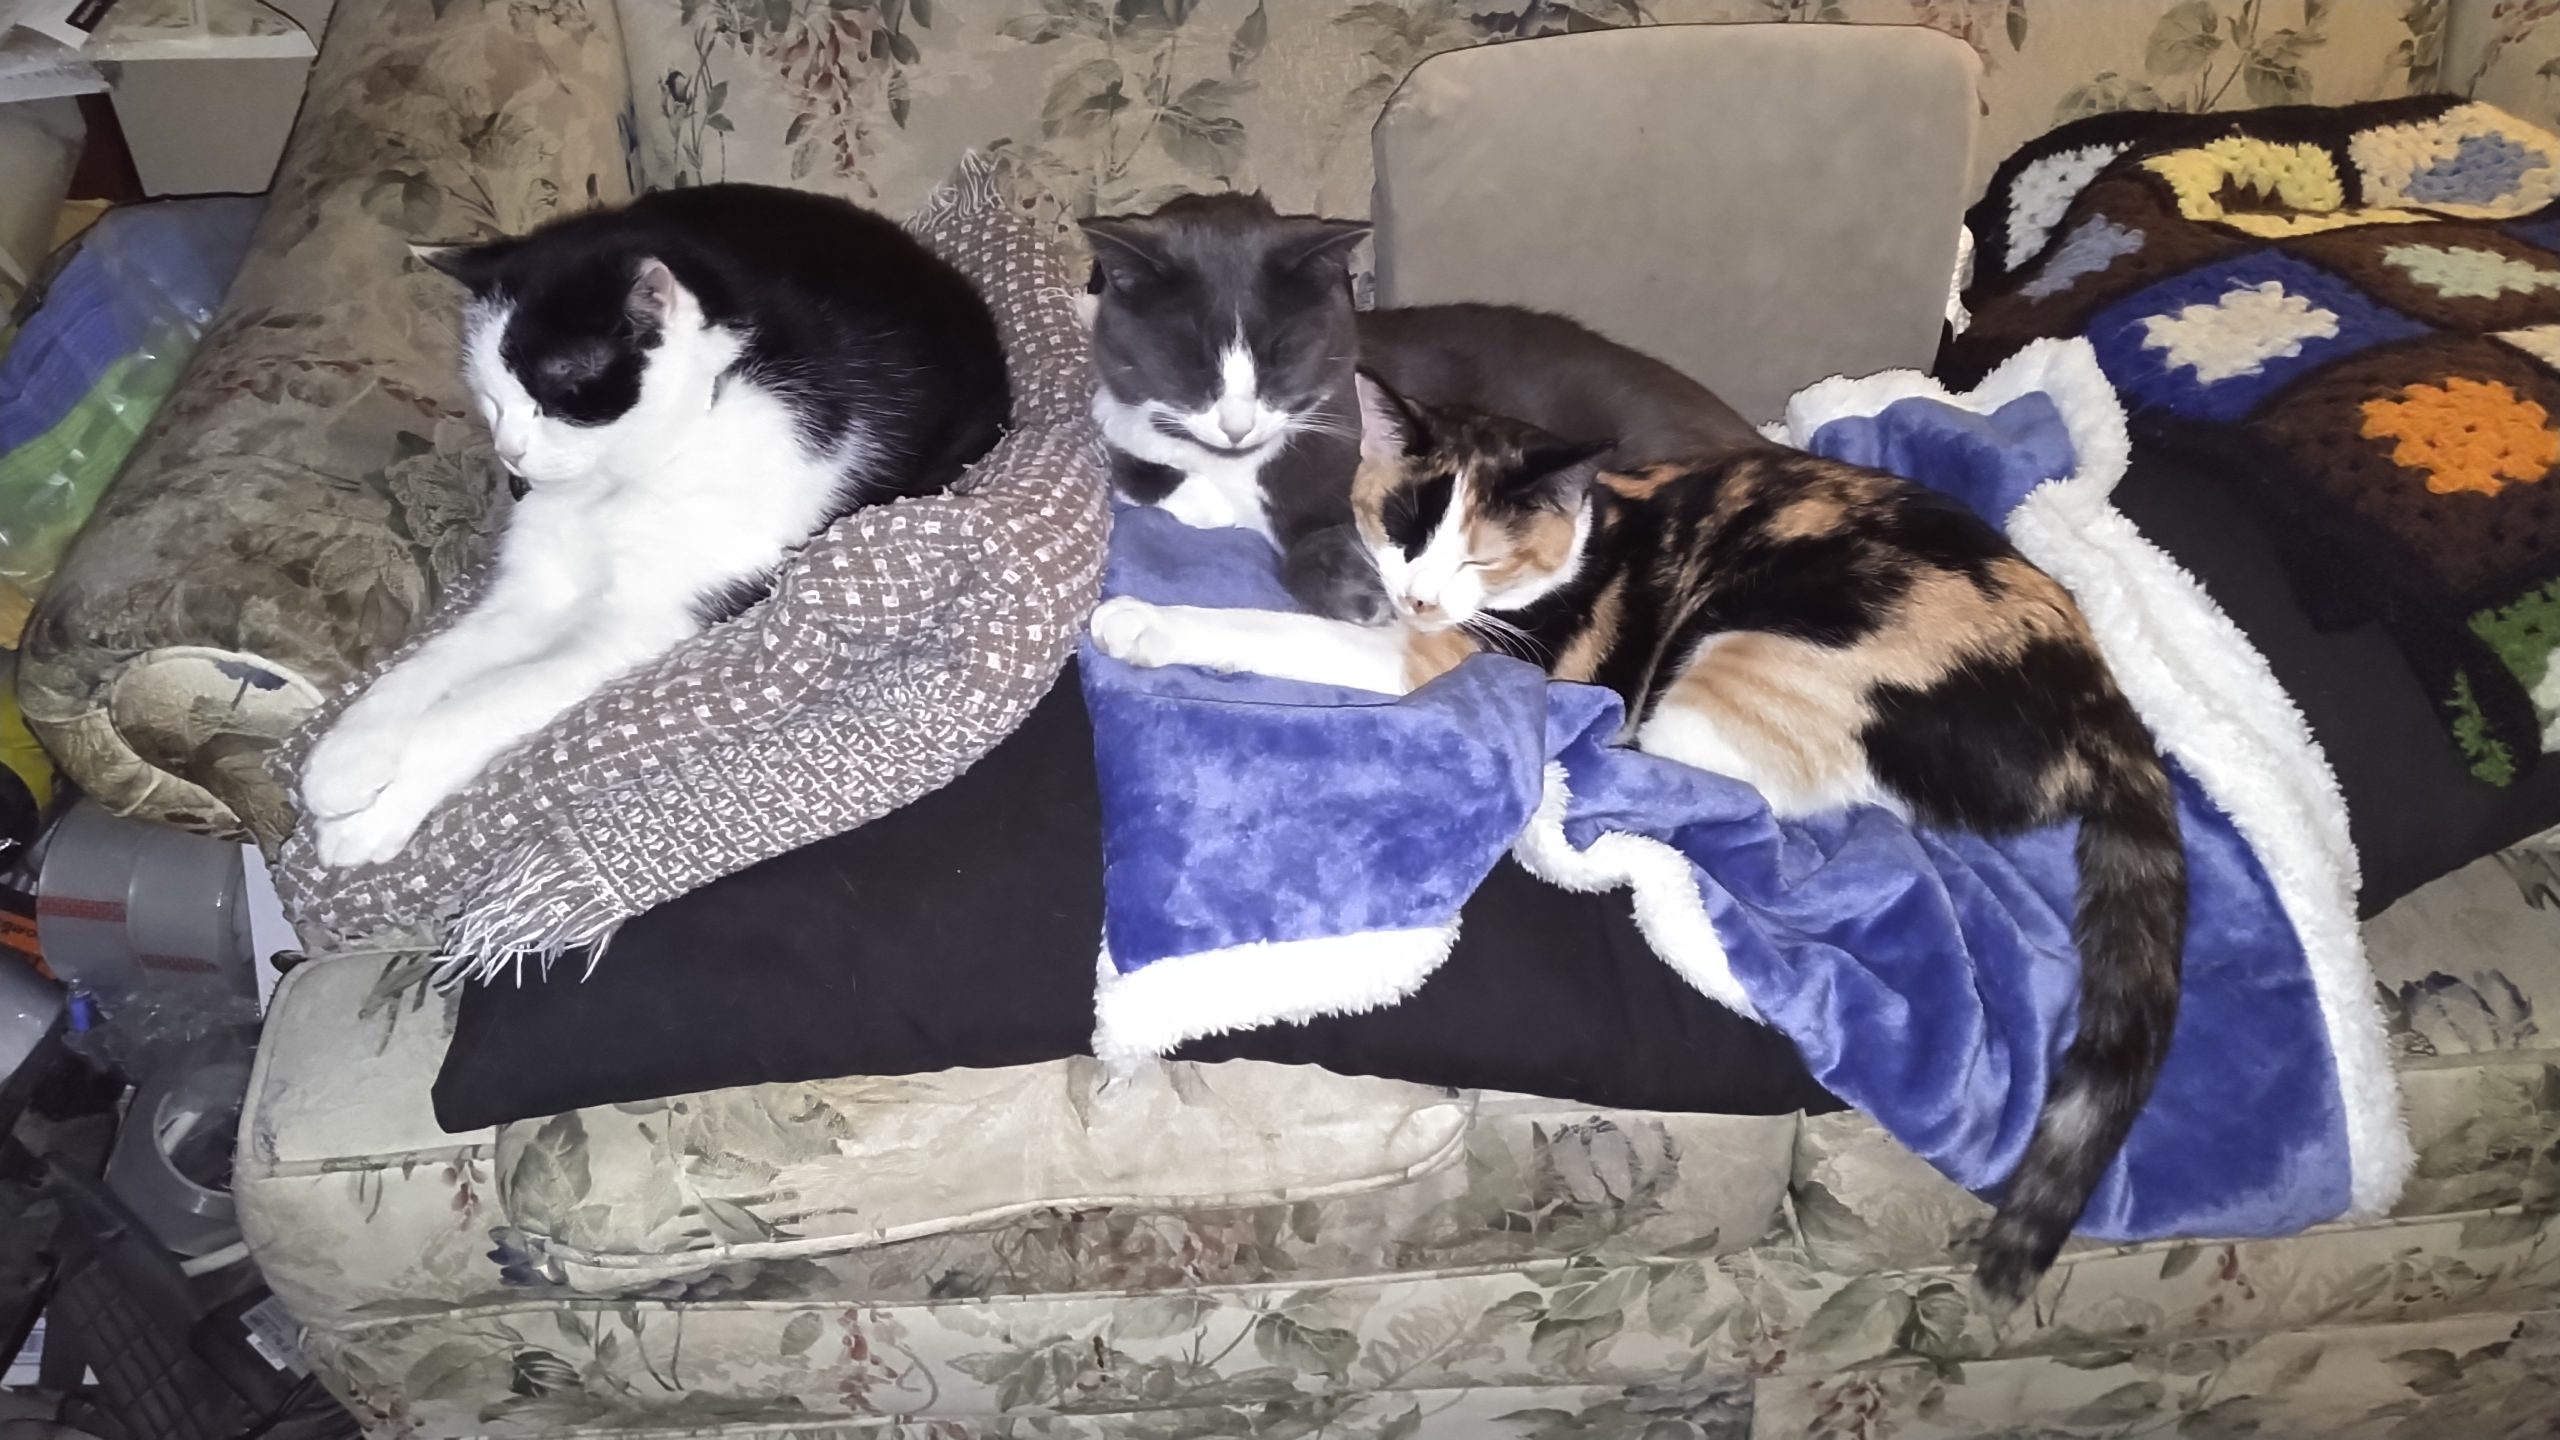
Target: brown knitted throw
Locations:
point(898, 647)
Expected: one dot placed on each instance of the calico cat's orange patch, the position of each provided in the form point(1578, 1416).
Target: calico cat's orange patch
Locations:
point(1641, 484)
point(1539, 544)
point(1794, 709)
point(1430, 654)
point(1806, 518)
point(1582, 657)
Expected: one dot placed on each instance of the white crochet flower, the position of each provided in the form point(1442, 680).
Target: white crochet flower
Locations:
point(2238, 334)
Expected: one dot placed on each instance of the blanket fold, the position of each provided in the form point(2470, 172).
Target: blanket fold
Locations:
point(1275, 850)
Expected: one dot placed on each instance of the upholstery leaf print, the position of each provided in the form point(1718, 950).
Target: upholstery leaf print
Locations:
point(549, 1177)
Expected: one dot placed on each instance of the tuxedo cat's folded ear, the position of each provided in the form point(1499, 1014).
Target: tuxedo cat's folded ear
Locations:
point(1390, 429)
point(1124, 250)
point(475, 265)
point(653, 292)
point(1312, 241)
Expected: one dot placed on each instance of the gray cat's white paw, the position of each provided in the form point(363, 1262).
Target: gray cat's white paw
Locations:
point(1133, 631)
point(1201, 506)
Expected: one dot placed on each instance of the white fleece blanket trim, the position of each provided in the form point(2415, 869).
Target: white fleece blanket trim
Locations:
point(1149, 1014)
point(2210, 698)
point(1664, 888)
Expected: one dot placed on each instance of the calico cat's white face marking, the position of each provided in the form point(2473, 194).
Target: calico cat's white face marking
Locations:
point(1442, 584)
point(1454, 539)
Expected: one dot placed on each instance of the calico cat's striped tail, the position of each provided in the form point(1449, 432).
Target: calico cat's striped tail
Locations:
point(2131, 931)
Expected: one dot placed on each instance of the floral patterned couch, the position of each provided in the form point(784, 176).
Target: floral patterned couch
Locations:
point(1018, 1253)
point(972, 1254)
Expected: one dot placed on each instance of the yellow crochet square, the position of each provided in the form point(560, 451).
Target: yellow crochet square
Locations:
point(2300, 178)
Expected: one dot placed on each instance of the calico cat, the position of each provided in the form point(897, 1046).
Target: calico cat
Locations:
point(682, 392)
point(1831, 634)
point(1226, 338)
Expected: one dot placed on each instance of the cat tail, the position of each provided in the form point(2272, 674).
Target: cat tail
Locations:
point(2131, 930)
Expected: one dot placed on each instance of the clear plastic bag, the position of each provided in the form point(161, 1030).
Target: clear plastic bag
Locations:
point(111, 331)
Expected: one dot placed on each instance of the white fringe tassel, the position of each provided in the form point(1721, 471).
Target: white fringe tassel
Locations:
point(518, 916)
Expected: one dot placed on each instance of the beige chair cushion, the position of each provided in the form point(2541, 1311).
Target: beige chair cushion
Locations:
point(1808, 186)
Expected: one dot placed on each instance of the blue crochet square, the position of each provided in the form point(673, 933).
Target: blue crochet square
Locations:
point(2481, 169)
point(2214, 342)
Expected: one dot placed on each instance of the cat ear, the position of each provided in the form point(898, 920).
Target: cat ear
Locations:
point(1315, 241)
point(474, 265)
point(1554, 455)
point(1389, 430)
point(1557, 471)
point(653, 292)
point(1123, 251)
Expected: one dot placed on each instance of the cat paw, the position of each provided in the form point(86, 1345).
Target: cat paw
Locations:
point(377, 833)
point(1134, 632)
point(351, 767)
point(1201, 506)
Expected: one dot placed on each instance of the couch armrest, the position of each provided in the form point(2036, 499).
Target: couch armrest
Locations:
point(315, 483)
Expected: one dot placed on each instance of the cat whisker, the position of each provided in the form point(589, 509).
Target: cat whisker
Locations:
point(1503, 635)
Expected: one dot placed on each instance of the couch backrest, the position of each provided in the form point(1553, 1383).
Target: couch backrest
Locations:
point(1761, 205)
point(1119, 104)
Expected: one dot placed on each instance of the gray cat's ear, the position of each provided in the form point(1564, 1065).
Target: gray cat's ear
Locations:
point(1314, 241)
point(1124, 252)
point(475, 265)
point(653, 292)
point(1389, 430)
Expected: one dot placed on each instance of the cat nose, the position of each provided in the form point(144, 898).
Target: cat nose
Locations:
point(510, 455)
point(1235, 419)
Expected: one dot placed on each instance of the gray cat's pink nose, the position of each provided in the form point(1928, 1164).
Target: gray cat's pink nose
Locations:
point(1235, 430)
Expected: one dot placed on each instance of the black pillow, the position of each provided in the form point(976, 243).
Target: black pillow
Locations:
point(2413, 806)
point(961, 931)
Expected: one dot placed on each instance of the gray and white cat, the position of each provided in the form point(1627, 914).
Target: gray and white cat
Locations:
point(683, 391)
point(1227, 339)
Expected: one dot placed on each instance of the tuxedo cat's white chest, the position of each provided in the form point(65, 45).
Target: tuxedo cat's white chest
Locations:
point(1218, 492)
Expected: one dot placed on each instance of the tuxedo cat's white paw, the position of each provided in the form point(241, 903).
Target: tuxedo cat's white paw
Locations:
point(377, 833)
point(351, 766)
point(1137, 633)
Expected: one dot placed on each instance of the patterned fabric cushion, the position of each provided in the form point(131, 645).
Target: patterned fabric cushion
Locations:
point(981, 1251)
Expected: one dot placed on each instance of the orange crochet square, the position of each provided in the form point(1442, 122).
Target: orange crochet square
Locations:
point(2468, 436)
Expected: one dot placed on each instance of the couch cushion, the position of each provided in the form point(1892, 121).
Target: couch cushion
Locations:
point(1855, 161)
point(1030, 1179)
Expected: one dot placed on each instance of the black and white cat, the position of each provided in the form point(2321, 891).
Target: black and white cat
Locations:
point(1227, 340)
point(683, 391)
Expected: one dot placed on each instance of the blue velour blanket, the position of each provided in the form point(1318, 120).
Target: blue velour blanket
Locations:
point(1276, 850)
